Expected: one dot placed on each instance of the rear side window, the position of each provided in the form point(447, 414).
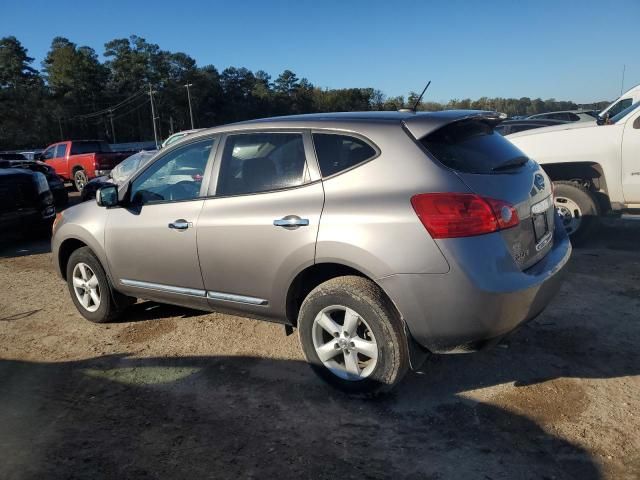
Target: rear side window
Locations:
point(259, 162)
point(471, 146)
point(339, 152)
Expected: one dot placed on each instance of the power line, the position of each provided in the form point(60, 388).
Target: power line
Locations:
point(112, 108)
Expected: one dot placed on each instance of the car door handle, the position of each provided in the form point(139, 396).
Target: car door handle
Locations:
point(291, 222)
point(180, 224)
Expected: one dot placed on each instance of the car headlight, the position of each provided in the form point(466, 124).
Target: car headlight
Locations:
point(41, 182)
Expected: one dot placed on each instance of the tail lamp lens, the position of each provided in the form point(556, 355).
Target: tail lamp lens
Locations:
point(451, 215)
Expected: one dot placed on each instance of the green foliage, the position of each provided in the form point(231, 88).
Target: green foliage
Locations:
point(77, 96)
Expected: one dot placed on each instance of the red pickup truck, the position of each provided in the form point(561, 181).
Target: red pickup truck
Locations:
point(79, 161)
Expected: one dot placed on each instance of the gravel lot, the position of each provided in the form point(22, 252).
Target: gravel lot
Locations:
point(174, 393)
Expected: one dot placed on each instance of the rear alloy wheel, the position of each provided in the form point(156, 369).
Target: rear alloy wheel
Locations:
point(80, 179)
point(352, 336)
point(578, 210)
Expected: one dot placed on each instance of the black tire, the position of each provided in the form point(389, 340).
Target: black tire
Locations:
point(112, 303)
point(589, 210)
point(80, 179)
point(367, 299)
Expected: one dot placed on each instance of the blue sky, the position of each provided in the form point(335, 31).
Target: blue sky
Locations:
point(569, 50)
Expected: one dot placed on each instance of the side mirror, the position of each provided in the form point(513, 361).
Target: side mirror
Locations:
point(107, 196)
point(603, 120)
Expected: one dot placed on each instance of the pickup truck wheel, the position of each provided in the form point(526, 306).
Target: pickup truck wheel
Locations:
point(80, 180)
point(91, 290)
point(578, 208)
point(352, 336)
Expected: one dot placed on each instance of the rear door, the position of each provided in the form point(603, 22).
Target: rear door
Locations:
point(59, 160)
point(259, 226)
point(493, 167)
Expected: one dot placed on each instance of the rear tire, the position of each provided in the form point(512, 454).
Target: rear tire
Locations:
point(579, 210)
point(80, 179)
point(363, 325)
point(91, 290)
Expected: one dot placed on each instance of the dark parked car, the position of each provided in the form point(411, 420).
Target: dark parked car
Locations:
point(56, 184)
point(512, 126)
point(26, 203)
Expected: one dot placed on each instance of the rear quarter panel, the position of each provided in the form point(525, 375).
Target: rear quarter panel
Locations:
point(368, 222)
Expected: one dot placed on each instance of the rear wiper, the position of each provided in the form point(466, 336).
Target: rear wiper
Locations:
point(513, 163)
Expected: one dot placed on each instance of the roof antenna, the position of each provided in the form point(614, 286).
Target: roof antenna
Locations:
point(415, 105)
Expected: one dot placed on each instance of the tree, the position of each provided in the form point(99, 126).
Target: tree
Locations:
point(286, 83)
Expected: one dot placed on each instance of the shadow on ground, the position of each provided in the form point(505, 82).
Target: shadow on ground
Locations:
point(232, 417)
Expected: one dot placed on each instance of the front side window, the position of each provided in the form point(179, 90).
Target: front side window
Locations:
point(619, 107)
point(61, 150)
point(259, 162)
point(48, 154)
point(174, 177)
point(340, 152)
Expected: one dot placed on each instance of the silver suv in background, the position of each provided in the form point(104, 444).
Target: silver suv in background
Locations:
point(380, 236)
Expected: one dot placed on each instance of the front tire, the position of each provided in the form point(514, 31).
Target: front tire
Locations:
point(91, 290)
point(352, 337)
point(579, 210)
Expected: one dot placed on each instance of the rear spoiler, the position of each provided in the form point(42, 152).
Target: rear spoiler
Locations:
point(422, 124)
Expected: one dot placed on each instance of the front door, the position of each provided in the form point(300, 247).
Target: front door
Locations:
point(631, 160)
point(151, 243)
point(259, 228)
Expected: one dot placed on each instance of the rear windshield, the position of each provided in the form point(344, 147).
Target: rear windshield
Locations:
point(472, 146)
point(89, 147)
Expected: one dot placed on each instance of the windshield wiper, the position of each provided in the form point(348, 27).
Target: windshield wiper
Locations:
point(513, 163)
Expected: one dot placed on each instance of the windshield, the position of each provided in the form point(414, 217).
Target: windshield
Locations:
point(624, 113)
point(130, 165)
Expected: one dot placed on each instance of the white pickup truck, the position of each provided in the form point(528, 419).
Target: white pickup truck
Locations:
point(595, 166)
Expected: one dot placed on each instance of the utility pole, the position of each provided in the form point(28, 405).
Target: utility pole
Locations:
point(113, 130)
point(60, 125)
point(153, 117)
point(189, 99)
point(170, 125)
point(624, 67)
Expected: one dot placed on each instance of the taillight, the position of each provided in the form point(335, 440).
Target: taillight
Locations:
point(449, 215)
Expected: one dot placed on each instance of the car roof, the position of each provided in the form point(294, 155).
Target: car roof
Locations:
point(418, 124)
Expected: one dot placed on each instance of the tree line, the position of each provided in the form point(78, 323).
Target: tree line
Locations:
point(75, 95)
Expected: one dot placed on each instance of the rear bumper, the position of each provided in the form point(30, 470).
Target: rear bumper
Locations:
point(480, 299)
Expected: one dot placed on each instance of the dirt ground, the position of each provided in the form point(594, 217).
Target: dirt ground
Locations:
point(175, 393)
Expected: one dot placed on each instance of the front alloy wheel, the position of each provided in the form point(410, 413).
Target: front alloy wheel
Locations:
point(86, 287)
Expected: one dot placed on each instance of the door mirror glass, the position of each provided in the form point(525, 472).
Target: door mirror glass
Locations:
point(107, 196)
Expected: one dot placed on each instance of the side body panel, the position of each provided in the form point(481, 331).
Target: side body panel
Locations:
point(631, 160)
point(599, 144)
point(368, 222)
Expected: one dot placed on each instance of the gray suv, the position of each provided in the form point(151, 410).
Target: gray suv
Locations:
point(381, 236)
